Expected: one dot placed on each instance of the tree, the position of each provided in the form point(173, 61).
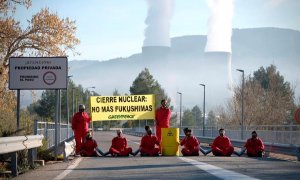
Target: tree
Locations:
point(211, 119)
point(10, 5)
point(268, 99)
point(197, 115)
point(188, 119)
point(45, 107)
point(116, 93)
point(45, 35)
point(173, 120)
point(146, 84)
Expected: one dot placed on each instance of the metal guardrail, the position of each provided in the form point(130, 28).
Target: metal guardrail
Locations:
point(18, 143)
point(286, 149)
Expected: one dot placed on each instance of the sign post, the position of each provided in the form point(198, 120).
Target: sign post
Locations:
point(39, 73)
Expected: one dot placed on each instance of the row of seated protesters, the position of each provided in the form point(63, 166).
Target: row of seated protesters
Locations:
point(150, 145)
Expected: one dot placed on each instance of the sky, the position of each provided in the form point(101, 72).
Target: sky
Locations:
point(115, 28)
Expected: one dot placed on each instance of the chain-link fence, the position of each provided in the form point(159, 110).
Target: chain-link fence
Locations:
point(286, 134)
point(48, 130)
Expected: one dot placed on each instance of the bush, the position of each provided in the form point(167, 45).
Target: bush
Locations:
point(44, 153)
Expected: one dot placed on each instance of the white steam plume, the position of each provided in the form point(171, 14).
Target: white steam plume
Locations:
point(219, 26)
point(157, 32)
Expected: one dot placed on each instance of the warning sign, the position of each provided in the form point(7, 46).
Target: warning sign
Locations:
point(134, 107)
point(38, 72)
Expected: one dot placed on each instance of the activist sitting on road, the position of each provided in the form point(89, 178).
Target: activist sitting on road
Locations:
point(254, 146)
point(190, 143)
point(119, 145)
point(148, 142)
point(80, 126)
point(89, 146)
point(146, 129)
point(222, 145)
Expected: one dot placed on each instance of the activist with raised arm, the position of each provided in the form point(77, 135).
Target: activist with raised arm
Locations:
point(162, 118)
point(80, 126)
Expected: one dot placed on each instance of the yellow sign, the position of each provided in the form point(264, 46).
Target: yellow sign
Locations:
point(134, 107)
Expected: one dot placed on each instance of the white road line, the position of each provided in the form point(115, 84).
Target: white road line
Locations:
point(216, 171)
point(69, 169)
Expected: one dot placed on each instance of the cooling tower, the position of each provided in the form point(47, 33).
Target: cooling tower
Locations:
point(155, 52)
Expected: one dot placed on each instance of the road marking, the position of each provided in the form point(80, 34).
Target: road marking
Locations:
point(69, 169)
point(216, 171)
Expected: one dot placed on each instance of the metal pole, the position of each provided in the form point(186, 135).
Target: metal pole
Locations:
point(73, 102)
point(243, 106)
point(203, 123)
point(18, 109)
point(14, 164)
point(139, 126)
point(243, 84)
point(56, 124)
point(180, 121)
point(76, 105)
point(204, 112)
point(180, 111)
point(68, 115)
point(59, 116)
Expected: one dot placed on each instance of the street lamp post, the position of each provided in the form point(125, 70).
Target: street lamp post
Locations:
point(203, 133)
point(67, 99)
point(180, 120)
point(243, 84)
point(92, 87)
point(73, 110)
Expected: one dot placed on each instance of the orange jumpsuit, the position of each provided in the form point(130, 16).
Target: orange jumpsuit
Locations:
point(119, 147)
point(162, 117)
point(80, 126)
point(147, 146)
point(88, 148)
point(254, 147)
point(222, 146)
point(191, 146)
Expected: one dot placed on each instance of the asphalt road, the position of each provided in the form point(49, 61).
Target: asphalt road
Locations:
point(202, 167)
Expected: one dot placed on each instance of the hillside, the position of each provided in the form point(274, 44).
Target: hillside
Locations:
point(186, 65)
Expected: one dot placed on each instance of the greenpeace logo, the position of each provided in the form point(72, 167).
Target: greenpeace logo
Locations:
point(121, 116)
